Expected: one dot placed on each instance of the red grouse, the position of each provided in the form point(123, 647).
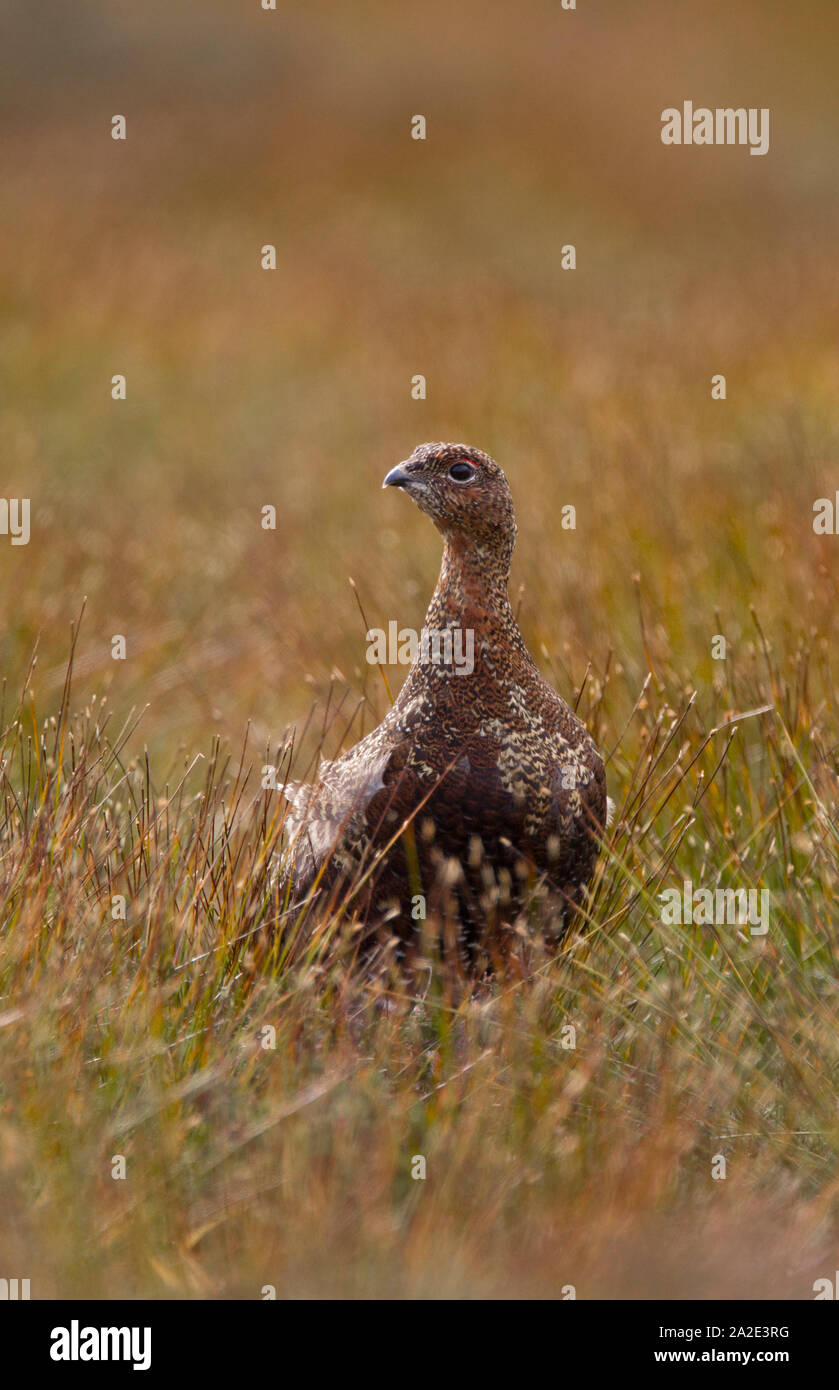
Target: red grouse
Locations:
point(480, 781)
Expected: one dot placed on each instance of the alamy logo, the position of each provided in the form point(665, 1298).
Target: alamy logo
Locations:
point(724, 125)
point(76, 1343)
point(826, 519)
point(13, 1289)
point(723, 907)
point(448, 646)
point(14, 519)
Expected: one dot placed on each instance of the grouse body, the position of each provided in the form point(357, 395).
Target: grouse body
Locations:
point(477, 783)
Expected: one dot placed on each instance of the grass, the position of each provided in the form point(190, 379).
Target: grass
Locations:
point(257, 1158)
point(251, 1164)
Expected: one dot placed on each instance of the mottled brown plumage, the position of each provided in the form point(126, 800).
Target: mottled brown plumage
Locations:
point(476, 785)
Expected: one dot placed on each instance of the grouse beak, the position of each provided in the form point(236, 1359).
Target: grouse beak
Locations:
point(397, 477)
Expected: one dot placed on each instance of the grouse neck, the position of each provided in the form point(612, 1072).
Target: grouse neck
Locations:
point(472, 586)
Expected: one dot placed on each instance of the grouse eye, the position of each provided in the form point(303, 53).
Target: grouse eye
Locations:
point(461, 472)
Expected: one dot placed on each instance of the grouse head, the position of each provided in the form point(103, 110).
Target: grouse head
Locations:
point(466, 495)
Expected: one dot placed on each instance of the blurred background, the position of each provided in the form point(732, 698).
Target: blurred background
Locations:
point(248, 387)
